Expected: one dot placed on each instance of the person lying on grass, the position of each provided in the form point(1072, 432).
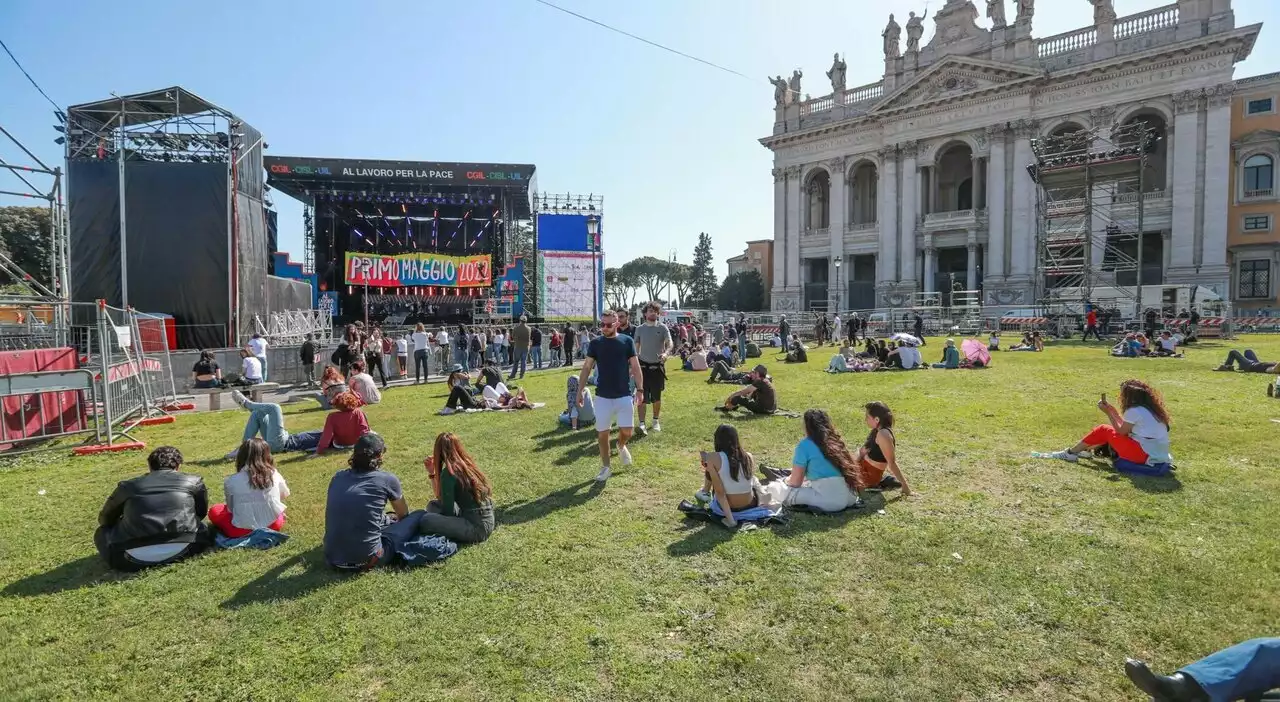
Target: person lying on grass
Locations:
point(460, 394)
point(879, 452)
point(824, 474)
point(576, 414)
point(846, 362)
point(723, 372)
point(759, 397)
point(332, 384)
point(1248, 363)
point(728, 475)
point(796, 352)
point(255, 494)
point(1138, 432)
point(500, 397)
point(267, 419)
point(462, 510)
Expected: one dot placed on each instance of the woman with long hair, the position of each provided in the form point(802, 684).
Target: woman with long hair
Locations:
point(332, 384)
point(1138, 432)
point(463, 508)
point(460, 395)
point(824, 474)
point(206, 372)
point(728, 475)
point(344, 425)
point(879, 452)
point(255, 494)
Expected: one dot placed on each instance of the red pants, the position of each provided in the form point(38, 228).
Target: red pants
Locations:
point(1124, 446)
point(870, 474)
point(220, 517)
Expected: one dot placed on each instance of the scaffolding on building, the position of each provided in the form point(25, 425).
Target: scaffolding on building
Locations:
point(572, 277)
point(1090, 209)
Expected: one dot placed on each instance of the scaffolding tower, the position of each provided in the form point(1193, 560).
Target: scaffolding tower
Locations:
point(1090, 208)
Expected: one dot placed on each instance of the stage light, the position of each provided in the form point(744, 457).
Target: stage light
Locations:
point(60, 141)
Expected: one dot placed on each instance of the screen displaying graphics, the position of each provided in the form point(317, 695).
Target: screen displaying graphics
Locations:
point(566, 232)
point(565, 286)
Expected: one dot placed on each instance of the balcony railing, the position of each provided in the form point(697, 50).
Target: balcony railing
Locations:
point(1149, 21)
point(954, 216)
point(1130, 198)
point(821, 104)
point(864, 93)
point(862, 226)
point(1260, 192)
point(1067, 41)
point(817, 231)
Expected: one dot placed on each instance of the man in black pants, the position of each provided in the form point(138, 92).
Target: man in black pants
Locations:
point(784, 329)
point(307, 354)
point(759, 396)
point(155, 519)
point(721, 370)
point(567, 342)
point(1151, 322)
point(653, 344)
point(1248, 362)
point(919, 328)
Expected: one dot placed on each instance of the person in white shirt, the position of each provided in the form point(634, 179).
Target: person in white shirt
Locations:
point(255, 494)
point(402, 354)
point(1166, 345)
point(258, 346)
point(993, 344)
point(442, 348)
point(250, 367)
point(361, 383)
point(1139, 435)
point(419, 354)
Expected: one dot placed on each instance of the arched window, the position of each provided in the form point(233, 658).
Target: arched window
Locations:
point(1259, 176)
point(819, 193)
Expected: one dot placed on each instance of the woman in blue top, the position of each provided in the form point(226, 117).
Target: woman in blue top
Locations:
point(824, 475)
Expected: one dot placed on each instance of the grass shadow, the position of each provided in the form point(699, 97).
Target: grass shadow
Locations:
point(529, 510)
point(89, 571)
point(1162, 485)
point(809, 522)
point(699, 537)
point(271, 586)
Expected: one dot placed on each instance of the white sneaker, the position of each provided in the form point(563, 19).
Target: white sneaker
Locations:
point(657, 426)
point(239, 398)
point(702, 496)
point(641, 429)
point(603, 475)
point(625, 454)
point(1059, 455)
point(447, 411)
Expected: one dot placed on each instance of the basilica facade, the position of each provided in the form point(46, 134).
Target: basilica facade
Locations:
point(918, 183)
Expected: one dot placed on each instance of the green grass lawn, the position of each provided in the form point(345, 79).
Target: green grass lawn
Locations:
point(1006, 579)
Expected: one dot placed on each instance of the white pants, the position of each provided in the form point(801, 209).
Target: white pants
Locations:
point(826, 494)
point(494, 393)
point(611, 409)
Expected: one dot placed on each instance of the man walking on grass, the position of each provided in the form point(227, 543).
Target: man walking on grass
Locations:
point(653, 344)
point(614, 355)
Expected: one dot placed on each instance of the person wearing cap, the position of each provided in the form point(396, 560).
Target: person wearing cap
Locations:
point(460, 395)
point(358, 535)
point(759, 396)
point(950, 356)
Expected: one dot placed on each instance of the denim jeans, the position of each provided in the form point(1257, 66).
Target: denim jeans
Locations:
point(419, 365)
point(519, 360)
point(1246, 669)
point(268, 419)
point(263, 361)
point(537, 357)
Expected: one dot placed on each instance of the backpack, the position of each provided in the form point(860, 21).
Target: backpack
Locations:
point(475, 344)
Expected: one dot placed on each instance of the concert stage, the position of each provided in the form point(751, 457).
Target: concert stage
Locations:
point(424, 239)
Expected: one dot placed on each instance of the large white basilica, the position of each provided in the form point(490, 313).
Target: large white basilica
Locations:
point(918, 182)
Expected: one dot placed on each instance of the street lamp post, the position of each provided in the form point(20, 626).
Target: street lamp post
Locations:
point(593, 244)
point(839, 298)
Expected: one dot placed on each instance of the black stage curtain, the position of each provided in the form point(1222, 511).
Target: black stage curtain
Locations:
point(177, 246)
point(273, 244)
point(251, 234)
point(93, 205)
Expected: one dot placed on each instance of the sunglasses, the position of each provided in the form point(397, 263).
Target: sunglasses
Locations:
point(607, 325)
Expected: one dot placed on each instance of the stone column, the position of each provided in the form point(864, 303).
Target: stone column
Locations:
point(795, 206)
point(779, 233)
point(907, 227)
point(933, 189)
point(996, 203)
point(839, 198)
point(887, 213)
point(930, 265)
point(973, 182)
point(1186, 126)
point(1217, 178)
point(971, 272)
point(1023, 230)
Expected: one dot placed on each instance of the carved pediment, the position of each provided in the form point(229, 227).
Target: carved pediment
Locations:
point(1261, 136)
point(954, 77)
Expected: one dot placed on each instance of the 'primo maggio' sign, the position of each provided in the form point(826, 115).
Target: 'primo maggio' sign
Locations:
point(418, 269)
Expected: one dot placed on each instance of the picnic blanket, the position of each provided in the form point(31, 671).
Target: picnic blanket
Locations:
point(533, 405)
point(754, 517)
point(792, 414)
point(261, 539)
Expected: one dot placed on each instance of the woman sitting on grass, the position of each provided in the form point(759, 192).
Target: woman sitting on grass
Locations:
point(460, 395)
point(332, 384)
point(362, 384)
point(728, 475)
point(1031, 341)
point(879, 452)
point(824, 475)
point(950, 356)
point(846, 362)
point(255, 494)
point(1138, 432)
point(345, 424)
point(993, 343)
point(462, 510)
point(575, 415)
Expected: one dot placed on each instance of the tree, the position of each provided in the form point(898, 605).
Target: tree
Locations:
point(26, 238)
point(742, 292)
point(680, 275)
point(703, 288)
point(619, 288)
point(649, 273)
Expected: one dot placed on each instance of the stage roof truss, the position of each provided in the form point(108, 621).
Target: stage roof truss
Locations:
point(171, 124)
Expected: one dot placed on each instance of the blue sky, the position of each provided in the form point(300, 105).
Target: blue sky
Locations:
point(670, 143)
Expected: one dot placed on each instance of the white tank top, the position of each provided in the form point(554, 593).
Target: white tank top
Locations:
point(741, 486)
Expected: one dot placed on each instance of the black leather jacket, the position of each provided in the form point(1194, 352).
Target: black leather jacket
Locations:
point(163, 506)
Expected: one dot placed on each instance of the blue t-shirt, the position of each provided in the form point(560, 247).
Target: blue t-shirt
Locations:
point(816, 466)
point(613, 364)
point(353, 515)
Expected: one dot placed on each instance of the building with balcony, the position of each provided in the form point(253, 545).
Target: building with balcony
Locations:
point(1253, 234)
point(918, 182)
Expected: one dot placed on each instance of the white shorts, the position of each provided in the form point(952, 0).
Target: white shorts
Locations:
point(609, 410)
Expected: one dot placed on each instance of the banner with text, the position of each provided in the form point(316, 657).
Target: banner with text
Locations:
point(418, 269)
